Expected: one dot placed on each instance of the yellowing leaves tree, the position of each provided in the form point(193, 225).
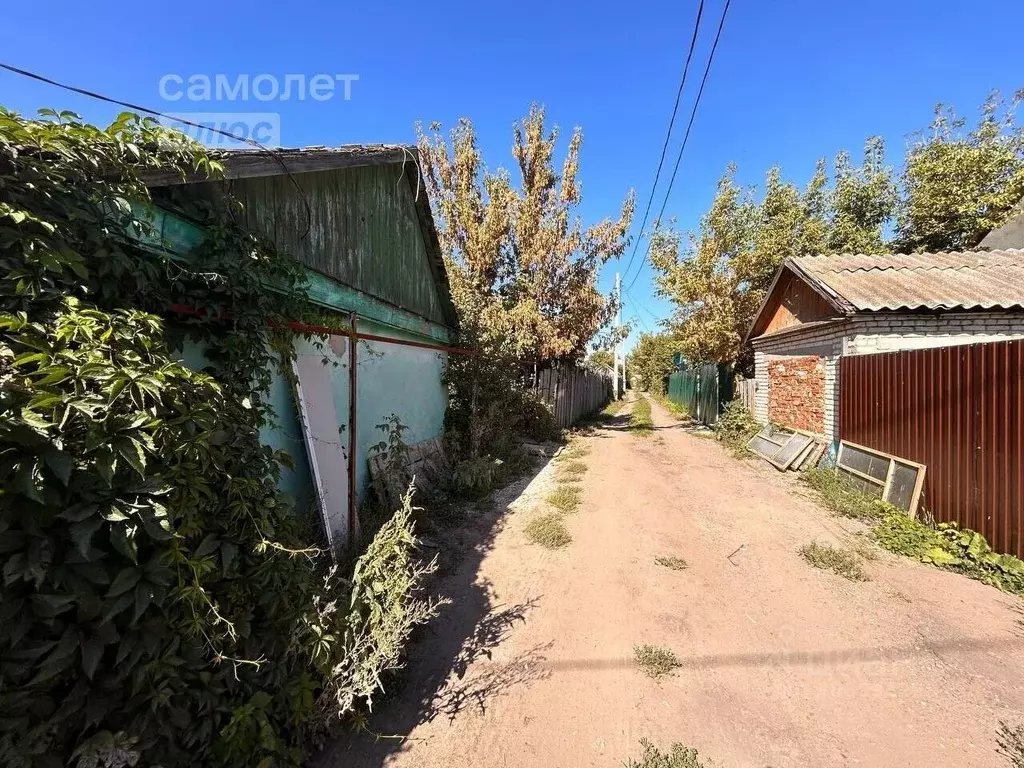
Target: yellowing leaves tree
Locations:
point(523, 268)
point(522, 265)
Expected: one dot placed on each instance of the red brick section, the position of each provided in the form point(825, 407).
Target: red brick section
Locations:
point(796, 393)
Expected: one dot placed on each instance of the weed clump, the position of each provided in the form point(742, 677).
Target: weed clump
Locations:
point(735, 427)
point(655, 660)
point(678, 756)
point(671, 562)
point(573, 469)
point(952, 548)
point(1011, 744)
point(549, 531)
point(565, 498)
point(840, 496)
point(843, 562)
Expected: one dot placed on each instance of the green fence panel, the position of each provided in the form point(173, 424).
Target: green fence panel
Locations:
point(702, 391)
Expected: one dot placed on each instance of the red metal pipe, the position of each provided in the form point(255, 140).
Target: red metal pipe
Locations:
point(353, 342)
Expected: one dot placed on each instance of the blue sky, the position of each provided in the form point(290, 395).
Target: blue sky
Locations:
point(793, 80)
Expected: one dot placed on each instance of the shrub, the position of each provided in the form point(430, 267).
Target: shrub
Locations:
point(548, 529)
point(735, 426)
point(843, 562)
point(952, 548)
point(678, 756)
point(162, 603)
point(655, 660)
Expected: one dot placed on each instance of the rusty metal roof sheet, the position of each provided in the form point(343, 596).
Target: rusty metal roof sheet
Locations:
point(969, 280)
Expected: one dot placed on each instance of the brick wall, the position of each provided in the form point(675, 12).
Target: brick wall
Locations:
point(890, 332)
point(796, 392)
point(823, 341)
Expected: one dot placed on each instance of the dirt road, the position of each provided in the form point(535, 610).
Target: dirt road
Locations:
point(783, 665)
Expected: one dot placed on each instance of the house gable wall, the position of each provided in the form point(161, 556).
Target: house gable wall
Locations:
point(792, 302)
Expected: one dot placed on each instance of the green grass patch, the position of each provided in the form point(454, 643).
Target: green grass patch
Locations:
point(640, 422)
point(613, 408)
point(676, 409)
point(672, 562)
point(840, 496)
point(678, 756)
point(548, 529)
point(655, 660)
point(565, 498)
point(841, 561)
point(574, 451)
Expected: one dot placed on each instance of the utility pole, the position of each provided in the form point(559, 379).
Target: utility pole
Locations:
point(618, 329)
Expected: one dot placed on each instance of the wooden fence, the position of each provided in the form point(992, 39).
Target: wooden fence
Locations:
point(957, 410)
point(745, 390)
point(573, 392)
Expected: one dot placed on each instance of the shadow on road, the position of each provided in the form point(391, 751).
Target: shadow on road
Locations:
point(438, 680)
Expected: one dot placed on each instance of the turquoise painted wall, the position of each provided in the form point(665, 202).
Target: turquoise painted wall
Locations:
point(391, 378)
point(284, 434)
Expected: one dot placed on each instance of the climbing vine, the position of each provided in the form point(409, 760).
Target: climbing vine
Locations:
point(161, 603)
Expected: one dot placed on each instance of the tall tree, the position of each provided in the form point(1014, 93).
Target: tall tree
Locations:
point(703, 281)
point(523, 270)
point(863, 200)
point(961, 183)
point(523, 267)
point(650, 361)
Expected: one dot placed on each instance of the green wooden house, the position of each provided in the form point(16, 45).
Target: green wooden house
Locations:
point(358, 219)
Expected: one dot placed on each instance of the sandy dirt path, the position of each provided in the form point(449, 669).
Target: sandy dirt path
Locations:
point(783, 665)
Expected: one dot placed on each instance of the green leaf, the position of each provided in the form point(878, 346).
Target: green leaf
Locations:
point(124, 581)
point(82, 533)
point(206, 546)
point(92, 652)
point(61, 464)
point(939, 556)
point(143, 597)
point(131, 450)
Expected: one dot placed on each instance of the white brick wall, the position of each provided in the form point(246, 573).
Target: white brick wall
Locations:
point(825, 341)
point(891, 332)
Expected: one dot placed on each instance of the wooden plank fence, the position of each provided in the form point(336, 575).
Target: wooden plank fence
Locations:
point(746, 392)
point(573, 392)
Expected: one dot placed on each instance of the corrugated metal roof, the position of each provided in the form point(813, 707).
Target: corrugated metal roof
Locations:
point(969, 280)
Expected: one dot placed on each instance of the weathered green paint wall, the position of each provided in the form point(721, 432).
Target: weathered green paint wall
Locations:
point(390, 379)
point(284, 434)
point(364, 231)
point(366, 234)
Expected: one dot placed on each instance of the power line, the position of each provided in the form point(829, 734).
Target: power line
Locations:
point(154, 113)
point(664, 146)
point(686, 136)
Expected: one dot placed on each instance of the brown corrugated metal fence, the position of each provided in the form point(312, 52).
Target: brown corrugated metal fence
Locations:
point(958, 410)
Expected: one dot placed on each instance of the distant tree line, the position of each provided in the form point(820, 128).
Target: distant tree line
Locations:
point(957, 183)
